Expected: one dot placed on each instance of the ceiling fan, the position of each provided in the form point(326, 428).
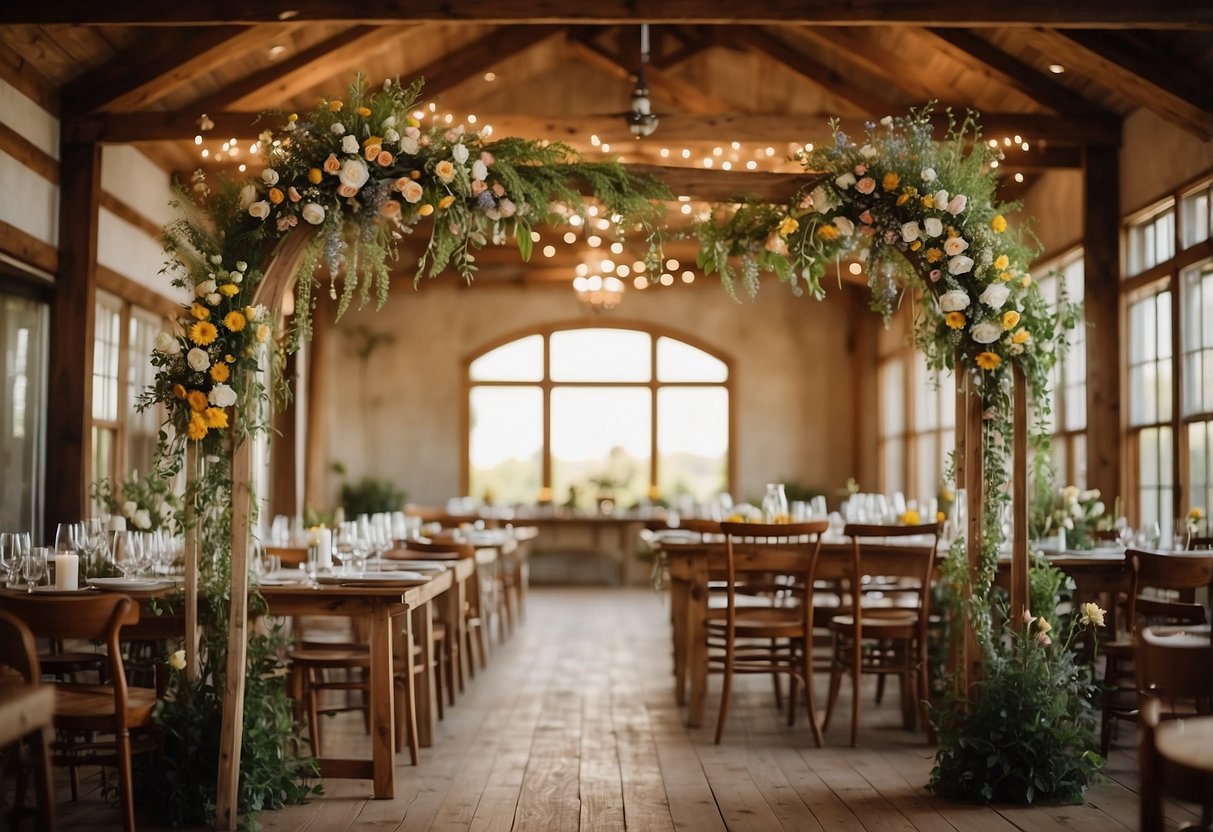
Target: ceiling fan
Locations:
point(642, 121)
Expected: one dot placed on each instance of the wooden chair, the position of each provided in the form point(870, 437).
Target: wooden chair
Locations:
point(1200, 544)
point(757, 554)
point(26, 716)
point(1170, 668)
point(473, 619)
point(1156, 597)
point(885, 630)
point(110, 709)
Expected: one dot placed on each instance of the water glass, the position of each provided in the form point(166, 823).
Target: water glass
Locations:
point(14, 546)
point(33, 567)
point(130, 553)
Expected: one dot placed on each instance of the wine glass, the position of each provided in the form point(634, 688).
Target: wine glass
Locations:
point(33, 567)
point(69, 537)
point(345, 545)
point(130, 544)
point(1124, 532)
point(13, 547)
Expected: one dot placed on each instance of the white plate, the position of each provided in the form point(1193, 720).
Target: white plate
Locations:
point(127, 583)
point(54, 590)
point(373, 578)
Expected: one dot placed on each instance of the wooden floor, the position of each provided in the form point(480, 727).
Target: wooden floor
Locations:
point(574, 726)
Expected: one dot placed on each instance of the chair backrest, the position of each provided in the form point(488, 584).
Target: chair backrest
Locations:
point(1200, 543)
point(759, 549)
point(17, 648)
point(893, 552)
point(1152, 571)
point(1178, 666)
point(425, 550)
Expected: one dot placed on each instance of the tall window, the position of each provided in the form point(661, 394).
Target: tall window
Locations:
point(1169, 308)
point(24, 325)
point(892, 438)
point(597, 411)
point(1068, 397)
point(934, 427)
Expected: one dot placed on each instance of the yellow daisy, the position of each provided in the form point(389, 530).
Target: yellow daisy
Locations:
point(234, 321)
point(203, 333)
point(220, 373)
point(988, 360)
point(197, 428)
point(215, 417)
point(955, 320)
point(1009, 319)
point(197, 400)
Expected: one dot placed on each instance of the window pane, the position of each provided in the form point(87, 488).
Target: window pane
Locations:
point(1194, 217)
point(927, 485)
point(23, 334)
point(892, 465)
point(678, 361)
point(142, 427)
point(601, 355)
point(601, 442)
point(692, 441)
point(505, 443)
point(106, 340)
point(520, 360)
point(1154, 478)
point(103, 453)
point(1198, 358)
point(892, 406)
point(1200, 466)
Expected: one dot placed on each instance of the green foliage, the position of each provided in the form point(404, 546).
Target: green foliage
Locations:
point(371, 496)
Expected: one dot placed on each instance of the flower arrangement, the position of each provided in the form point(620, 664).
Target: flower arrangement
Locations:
point(1075, 511)
point(147, 504)
point(1196, 516)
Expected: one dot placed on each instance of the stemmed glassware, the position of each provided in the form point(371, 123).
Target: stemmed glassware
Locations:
point(14, 548)
point(33, 567)
point(132, 545)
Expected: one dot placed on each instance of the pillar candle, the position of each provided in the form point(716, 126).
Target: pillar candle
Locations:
point(67, 571)
point(322, 538)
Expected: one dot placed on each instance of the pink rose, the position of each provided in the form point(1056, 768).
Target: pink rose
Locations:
point(866, 185)
point(346, 190)
point(383, 159)
point(332, 164)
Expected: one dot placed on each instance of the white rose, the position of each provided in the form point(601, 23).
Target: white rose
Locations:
point(222, 396)
point(928, 174)
point(354, 173)
point(237, 278)
point(845, 181)
point(313, 213)
point(214, 299)
point(142, 519)
point(909, 232)
point(198, 359)
point(867, 151)
point(986, 332)
point(269, 176)
point(391, 136)
point(957, 204)
point(940, 200)
point(845, 227)
point(954, 301)
point(823, 199)
point(995, 295)
point(350, 144)
point(409, 146)
point(480, 170)
point(933, 226)
point(960, 265)
point(260, 209)
point(955, 245)
point(338, 128)
point(241, 266)
point(887, 121)
point(167, 344)
point(390, 121)
point(165, 510)
point(1098, 509)
point(459, 153)
point(129, 508)
point(204, 288)
point(248, 195)
point(177, 660)
point(412, 192)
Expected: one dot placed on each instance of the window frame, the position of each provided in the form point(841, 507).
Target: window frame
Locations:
point(546, 385)
point(1067, 441)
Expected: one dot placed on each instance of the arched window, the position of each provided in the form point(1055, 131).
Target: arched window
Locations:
point(589, 412)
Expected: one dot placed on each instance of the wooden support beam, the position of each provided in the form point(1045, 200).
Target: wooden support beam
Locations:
point(835, 84)
point(726, 185)
point(1101, 267)
point(27, 249)
point(68, 449)
point(984, 58)
point(485, 52)
point(859, 47)
point(676, 93)
point(1126, 14)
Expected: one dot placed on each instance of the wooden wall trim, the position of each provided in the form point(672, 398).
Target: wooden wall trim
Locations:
point(29, 154)
point(128, 290)
point(27, 248)
point(22, 76)
point(124, 211)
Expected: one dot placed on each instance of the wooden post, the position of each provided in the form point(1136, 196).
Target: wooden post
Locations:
point(962, 423)
point(1019, 495)
point(192, 539)
point(974, 490)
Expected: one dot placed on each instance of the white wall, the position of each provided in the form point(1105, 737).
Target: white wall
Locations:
point(1157, 158)
point(792, 377)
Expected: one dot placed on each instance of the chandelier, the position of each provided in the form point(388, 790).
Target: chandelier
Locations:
point(598, 293)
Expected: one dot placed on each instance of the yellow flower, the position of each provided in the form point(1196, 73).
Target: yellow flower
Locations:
point(1001, 262)
point(197, 400)
point(229, 289)
point(1005, 276)
point(425, 210)
point(263, 332)
point(200, 312)
point(197, 428)
point(215, 417)
point(293, 117)
point(179, 391)
point(955, 320)
point(1009, 319)
point(447, 201)
point(934, 255)
point(229, 358)
point(203, 333)
point(177, 660)
point(928, 201)
point(890, 181)
point(363, 111)
point(1021, 336)
point(916, 245)
point(999, 223)
point(444, 170)
point(903, 199)
point(940, 517)
point(1043, 624)
point(220, 373)
point(276, 196)
point(335, 106)
point(370, 140)
point(910, 518)
point(1025, 281)
point(234, 321)
point(315, 175)
point(787, 226)
point(1196, 514)
point(827, 232)
point(988, 360)
point(1092, 614)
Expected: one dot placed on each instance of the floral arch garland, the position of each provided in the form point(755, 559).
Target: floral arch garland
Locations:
point(347, 181)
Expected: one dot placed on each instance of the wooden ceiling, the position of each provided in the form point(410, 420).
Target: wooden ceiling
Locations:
point(734, 95)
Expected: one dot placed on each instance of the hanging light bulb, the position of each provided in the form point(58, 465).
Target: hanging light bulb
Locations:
point(642, 121)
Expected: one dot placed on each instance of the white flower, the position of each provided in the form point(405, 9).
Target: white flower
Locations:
point(214, 298)
point(845, 181)
point(237, 278)
point(354, 173)
point(248, 195)
point(260, 209)
point(259, 313)
point(129, 508)
point(409, 145)
point(390, 121)
point(845, 227)
point(940, 200)
point(412, 192)
point(1088, 495)
point(205, 288)
point(167, 344)
point(954, 301)
point(1068, 523)
point(909, 232)
point(887, 121)
point(313, 213)
point(142, 519)
point(165, 509)
point(955, 245)
point(391, 135)
point(1076, 511)
point(269, 176)
point(338, 128)
point(507, 208)
point(933, 226)
point(198, 359)
point(459, 153)
point(957, 204)
point(241, 266)
point(928, 174)
point(960, 265)
point(995, 295)
point(480, 170)
point(177, 660)
point(823, 199)
point(867, 151)
point(222, 396)
point(985, 332)
point(350, 144)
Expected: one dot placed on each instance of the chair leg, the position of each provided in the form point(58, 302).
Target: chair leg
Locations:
point(793, 698)
point(40, 745)
point(125, 781)
point(880, 680)
point(856, 674)
point(777, 682)
point(726, 689)
point(313, 712)
point(810, 698)
point(439, 682)
point(835, 687)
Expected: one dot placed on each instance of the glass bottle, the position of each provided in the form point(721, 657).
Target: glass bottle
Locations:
point(775, 504)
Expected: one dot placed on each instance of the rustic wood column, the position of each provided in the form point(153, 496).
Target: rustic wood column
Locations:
point(284, 449)
point(68, 444)
point(1101, 304)
point(315, 457)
